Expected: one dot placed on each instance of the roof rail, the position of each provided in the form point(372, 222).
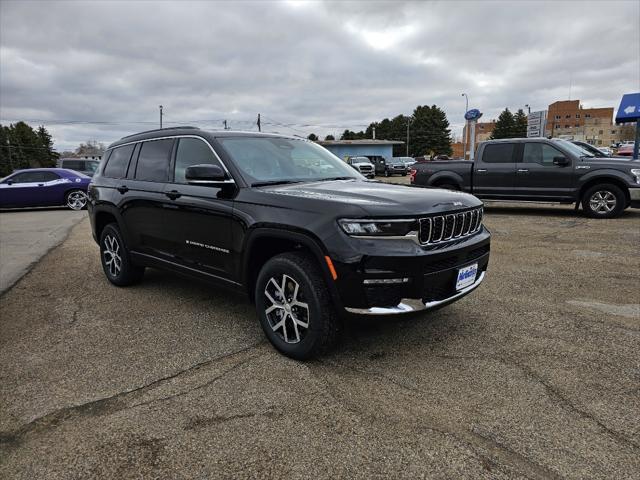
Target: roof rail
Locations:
point(160, 130)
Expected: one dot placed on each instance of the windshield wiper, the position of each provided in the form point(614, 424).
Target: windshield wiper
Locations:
point(274, 182)
point(336, 178)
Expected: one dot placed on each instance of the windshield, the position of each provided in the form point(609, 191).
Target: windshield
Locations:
point(395, 161)
point(92, 166)
point(575, 149)
point(361, 160)
point(275, 160)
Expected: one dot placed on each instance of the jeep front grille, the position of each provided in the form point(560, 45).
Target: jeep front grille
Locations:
point(441, 228)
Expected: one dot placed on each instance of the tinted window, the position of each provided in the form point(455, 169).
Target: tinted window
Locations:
point(498, 153)
point(73, 164)
point(540, 153)
point(118, 162)
point(32, 177)
point(153, 161)
point(192, 151)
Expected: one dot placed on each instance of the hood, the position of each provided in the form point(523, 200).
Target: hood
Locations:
point(612, 162)
point(377, 198)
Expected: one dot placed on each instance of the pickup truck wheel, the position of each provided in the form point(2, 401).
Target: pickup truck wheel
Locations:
point(115, 260)
point(603, 201)
point(294, 306)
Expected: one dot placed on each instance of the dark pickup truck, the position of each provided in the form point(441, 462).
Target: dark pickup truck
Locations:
point(539, 169)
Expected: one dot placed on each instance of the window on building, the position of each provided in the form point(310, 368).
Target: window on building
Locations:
point(577, 125)
point(557, 117)
point(600, 132)
point(567, 116)
point(153, 162)
point(613, 132)
point(567, 126)
point(577, 115)
point(587, 115)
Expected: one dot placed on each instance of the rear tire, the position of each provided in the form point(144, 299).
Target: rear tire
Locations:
point(294, 306)
point(114, 256)
point(76, 199)
point(604, 201)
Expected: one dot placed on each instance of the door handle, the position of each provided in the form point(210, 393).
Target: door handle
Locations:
point(523, 170)
point(481, 170)
point(123, 189)
point(173, 194)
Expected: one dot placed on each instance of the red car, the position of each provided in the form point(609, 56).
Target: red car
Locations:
point(625, 150)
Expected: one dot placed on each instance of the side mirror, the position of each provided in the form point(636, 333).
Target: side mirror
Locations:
point(206, 174)
point(561, 161)
point(9, 182)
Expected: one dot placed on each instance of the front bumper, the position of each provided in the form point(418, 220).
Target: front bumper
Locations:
point(407, 305)
point(394, 279)
point(634, 196)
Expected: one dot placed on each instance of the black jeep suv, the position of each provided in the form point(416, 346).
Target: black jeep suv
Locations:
point(284, 221)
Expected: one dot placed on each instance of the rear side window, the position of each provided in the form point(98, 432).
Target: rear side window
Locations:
point(498, 153)
point(118, 162)
point(192, 151)
point(153, 161)
point(33, 177)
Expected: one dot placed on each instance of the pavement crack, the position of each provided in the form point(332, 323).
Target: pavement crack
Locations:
point(110, 404)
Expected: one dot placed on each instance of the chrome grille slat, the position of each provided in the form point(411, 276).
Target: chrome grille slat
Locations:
point(441, 228)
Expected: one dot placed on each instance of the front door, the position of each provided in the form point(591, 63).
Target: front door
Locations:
point(537, 177)
point(198, 217)
point(494, 175)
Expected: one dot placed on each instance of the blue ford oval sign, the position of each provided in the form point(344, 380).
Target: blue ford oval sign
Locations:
point(473, 114)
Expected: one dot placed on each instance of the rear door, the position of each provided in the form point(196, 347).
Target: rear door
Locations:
point(538, 178)
point(144, 199)
point(495, 170)
point(198, 217)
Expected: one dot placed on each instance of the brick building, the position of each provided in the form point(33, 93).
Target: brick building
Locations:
point(483, 132)
point(567, 118)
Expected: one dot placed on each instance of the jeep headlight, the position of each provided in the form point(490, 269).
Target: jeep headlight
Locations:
point(381, 228)
point(636, 173)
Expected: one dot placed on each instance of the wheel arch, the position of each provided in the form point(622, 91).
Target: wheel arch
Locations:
point(265, 243)
point(103, 216)
point(446, 178)
point(601, 180)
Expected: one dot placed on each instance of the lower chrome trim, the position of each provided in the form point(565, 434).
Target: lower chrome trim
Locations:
point(407, 305)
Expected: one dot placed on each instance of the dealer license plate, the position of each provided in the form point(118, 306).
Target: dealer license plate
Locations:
point(466, 276)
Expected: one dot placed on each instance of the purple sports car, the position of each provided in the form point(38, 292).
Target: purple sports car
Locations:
point(39, 187)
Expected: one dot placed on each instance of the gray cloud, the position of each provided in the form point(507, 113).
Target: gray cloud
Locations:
point(331, 65)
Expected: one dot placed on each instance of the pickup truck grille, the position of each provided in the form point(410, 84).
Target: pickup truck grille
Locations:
point(441, 228)
point(365, 168)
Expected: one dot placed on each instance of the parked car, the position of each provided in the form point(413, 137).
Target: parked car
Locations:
point(608, 152)
point(85, 166)
point(625, 150)
point(362, 165)
point(537, 169)
point(595, 151)
point(305, 245)
point(408, 161)
point(388, 167)
point(41, 187)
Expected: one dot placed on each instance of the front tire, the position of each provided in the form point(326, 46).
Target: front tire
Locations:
point(294, 306)
point(603, 201)
point(114, 256)
point(76, 199)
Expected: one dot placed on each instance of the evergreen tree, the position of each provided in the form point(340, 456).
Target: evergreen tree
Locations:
point(23, 147)
point(329, 137)
point(505, 126)
point(313, 137)
point(429, 132)
point(521, 122)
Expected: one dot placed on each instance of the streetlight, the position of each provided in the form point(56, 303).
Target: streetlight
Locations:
point(465, 130)
point(160, 106)
point(527, 106)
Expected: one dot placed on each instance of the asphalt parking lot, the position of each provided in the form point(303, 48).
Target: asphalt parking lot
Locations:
point(534, 375)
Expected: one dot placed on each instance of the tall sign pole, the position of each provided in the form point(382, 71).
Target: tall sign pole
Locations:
point(465, 130)
point(160, 116)
point(472, 117)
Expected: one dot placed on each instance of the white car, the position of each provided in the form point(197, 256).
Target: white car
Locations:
point(606, 150)
point(408, 161)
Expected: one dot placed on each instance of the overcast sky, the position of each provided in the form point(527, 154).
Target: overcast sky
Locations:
point(314, 67)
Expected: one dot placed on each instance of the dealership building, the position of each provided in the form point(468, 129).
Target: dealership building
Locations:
point(360, 148)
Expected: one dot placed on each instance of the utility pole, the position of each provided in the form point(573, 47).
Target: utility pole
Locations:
point(160, 116)
point(259, 127)
point(408, 123)
point(465, 131)
point(225, 125)
point(528, 107)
